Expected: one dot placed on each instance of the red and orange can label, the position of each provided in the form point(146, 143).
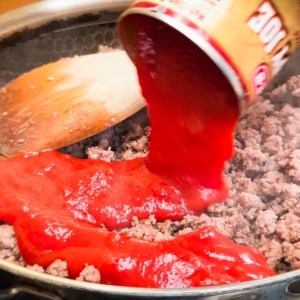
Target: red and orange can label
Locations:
point(249, 40)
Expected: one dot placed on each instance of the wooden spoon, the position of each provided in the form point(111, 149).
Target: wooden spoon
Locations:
point(64, 102)
point(8, 5)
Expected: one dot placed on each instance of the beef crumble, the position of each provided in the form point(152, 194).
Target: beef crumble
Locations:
point(263, 209)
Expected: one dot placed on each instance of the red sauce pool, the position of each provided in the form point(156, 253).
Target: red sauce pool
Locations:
point(57, 203)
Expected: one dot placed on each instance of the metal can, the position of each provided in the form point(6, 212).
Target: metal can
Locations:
point(249, 40)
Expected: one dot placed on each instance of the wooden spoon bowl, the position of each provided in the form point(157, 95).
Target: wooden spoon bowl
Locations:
point(67, 101)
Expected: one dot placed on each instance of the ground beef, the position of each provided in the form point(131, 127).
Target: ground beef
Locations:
point(36, 268)
point(89, 274)
point(9, 250)
point(263, 209)
point(291, 254)
point(126, 140)
point(58, 268)
point(272, 251)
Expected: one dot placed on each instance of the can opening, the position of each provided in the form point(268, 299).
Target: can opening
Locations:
point(132, 22)
point(188, 96)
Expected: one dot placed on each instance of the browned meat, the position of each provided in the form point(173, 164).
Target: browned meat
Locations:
point(263, 209)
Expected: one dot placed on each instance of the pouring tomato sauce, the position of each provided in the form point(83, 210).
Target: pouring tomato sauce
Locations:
point(57, 203)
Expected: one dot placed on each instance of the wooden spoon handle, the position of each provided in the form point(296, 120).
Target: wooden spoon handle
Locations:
point(8, 5)
point(64, 102)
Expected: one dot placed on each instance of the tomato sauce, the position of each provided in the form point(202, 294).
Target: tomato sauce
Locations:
point(193, 108)
point(92, 191)
point(57, 203)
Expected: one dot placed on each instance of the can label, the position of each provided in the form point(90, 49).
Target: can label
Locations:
point(199, 10)
point(254, 37)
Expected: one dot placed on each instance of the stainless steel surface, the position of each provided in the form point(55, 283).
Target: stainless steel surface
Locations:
point(21, 51)
point(35, 15)
point(27, 291)
point(269, 288)
point(54, 29)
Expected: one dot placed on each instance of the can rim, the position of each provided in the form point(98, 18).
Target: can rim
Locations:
point(198, 39)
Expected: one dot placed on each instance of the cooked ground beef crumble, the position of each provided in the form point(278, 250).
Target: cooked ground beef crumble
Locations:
point(263, 209)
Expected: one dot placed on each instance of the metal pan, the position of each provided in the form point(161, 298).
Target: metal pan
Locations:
point(44, 32)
